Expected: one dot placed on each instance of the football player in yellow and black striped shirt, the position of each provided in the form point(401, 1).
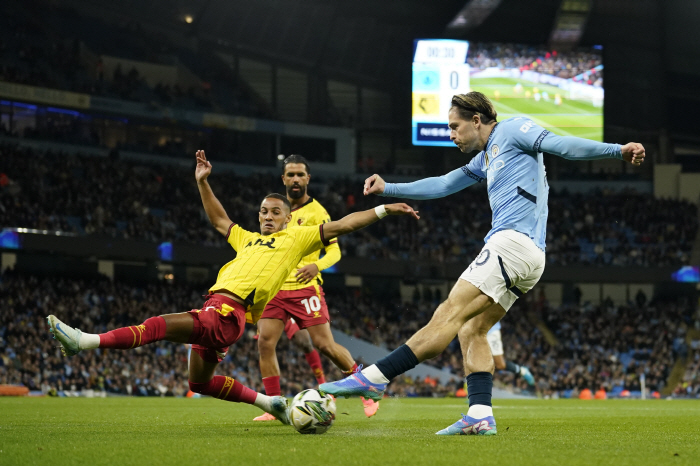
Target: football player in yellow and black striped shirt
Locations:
point(242, 289)
point(299, 308)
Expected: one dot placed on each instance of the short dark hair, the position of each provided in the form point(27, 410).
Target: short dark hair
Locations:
point(281, 198)
point(472, 103)
point(295, 158)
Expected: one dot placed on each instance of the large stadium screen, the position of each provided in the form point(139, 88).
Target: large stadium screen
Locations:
point(561, 91)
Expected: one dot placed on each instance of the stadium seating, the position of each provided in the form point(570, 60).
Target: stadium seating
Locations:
point(160, 203)
point(599, 347)
point(55, 48)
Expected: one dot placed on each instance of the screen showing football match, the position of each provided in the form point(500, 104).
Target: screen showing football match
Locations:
point(561, 91)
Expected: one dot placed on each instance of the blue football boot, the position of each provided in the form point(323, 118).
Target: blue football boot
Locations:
point(354, 385)
point(470, 426)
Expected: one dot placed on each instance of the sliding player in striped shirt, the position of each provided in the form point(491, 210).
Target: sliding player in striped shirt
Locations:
point(242, 289)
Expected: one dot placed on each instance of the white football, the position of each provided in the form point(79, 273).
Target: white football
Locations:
point(311, 412)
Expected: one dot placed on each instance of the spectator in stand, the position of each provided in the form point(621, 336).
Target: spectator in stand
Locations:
point(605, 346)
point(153, 203)
point(525, 57)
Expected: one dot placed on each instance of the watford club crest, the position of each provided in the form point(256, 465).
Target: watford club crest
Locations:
point(300, 221)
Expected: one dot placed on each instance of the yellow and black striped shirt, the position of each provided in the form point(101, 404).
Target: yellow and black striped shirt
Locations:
point(263, 263)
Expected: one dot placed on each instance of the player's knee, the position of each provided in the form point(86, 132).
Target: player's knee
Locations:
point(324, 346)
point(266, 345)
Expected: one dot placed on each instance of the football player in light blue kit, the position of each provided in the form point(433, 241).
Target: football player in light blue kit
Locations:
point(494, 338)
point(512, 260)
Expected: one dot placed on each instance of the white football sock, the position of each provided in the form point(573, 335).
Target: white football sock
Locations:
point(480, 411)
point(89, 341)
point(374, 375)
point(263, 402)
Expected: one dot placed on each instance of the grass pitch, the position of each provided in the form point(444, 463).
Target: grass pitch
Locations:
point(570, 118)
point(154, 431)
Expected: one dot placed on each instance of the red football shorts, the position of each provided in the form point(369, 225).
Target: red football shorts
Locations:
point(217, 325)
point(307, 306)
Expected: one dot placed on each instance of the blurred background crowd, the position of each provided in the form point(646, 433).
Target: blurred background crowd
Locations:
point(568, 348)
point(54, 191)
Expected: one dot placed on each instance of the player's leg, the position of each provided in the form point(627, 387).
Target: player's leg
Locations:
point(302, 339)
point(270, 333)
point(310, 311)
point(171, 327)
point(521, 265)
point(203, 362)
point(499, 363)
point(486, 281)
point(479, 367)
point(464, 302)
point(322, 337)
point(509, 366)
point(496, 344)
point(323, 340)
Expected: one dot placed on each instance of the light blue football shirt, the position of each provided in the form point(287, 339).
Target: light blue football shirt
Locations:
point(513, 167)
point(495, 327)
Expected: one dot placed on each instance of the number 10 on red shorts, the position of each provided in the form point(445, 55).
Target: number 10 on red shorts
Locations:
point(307, 306)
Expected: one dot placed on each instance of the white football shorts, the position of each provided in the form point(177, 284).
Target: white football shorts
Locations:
point(494, 339)
point(509, 265)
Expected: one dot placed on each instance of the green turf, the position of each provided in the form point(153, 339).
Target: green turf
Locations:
point(152, 431)
point(571, 118)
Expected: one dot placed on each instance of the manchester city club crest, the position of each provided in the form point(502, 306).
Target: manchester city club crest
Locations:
point(494, 151)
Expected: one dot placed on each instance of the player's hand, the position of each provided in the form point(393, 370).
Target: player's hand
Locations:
point(633, 152)
point(307, 273)
point(374, 185)
point(401, 209)
point(203, 169)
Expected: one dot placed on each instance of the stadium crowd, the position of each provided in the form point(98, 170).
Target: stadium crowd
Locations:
point(690, 383)
point(527, 57)
point(29, 356)
point(55, 191)
point(606, 346)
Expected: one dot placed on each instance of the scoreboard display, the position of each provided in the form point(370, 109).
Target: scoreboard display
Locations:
point(560, 91)
point(440, 70)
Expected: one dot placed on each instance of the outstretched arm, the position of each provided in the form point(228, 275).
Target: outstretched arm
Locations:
point(573, 148)
point(359, 220)
point(427, 188)
point(215, 211)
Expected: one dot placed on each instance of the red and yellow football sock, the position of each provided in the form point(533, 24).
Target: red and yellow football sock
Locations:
point(225, 388)
point(151, 330)
point(272, 385)
point(351, 371)
point(314, 360)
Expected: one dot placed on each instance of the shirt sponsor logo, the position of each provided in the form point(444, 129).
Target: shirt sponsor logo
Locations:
point(260, 242)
